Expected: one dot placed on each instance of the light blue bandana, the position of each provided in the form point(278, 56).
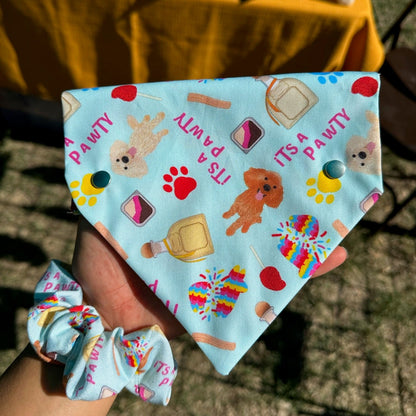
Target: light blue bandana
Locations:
point(225, 195)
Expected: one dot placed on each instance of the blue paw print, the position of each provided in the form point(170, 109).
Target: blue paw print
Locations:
point(331, 77)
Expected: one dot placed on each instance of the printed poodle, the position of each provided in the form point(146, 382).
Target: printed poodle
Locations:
point(364, 155)
point(128, 158)
point(264, 188)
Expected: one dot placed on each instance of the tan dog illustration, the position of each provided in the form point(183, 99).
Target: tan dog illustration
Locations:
point(264, 188)
point(128, 158)
point(364, 155)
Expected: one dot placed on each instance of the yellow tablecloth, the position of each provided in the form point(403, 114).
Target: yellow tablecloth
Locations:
point(51, 45)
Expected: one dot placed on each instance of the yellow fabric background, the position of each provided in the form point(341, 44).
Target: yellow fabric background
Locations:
point(48, 46)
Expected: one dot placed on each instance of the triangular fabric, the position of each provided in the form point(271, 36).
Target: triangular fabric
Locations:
point(225, 195)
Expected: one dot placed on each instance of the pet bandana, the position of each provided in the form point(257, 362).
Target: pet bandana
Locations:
point(225, 195)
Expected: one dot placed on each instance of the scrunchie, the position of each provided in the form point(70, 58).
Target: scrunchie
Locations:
point(97, 363)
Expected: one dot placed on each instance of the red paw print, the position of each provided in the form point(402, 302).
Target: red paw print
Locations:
point(182, 185)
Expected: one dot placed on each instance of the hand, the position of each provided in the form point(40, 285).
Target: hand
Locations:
point(109, 284)
point(121, 298)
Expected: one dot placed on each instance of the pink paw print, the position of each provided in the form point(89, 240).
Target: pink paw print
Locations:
point(181, 185)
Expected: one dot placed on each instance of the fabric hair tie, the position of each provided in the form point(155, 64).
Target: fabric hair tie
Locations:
point(98, 363)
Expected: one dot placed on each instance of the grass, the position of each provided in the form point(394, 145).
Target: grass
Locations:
point(345, 346)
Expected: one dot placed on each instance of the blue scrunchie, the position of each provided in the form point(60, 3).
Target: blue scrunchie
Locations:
point(97, 363)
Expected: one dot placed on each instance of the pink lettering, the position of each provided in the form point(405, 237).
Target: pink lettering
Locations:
point(202, 158)
point(103, 119)
point(180, 120)
point(281, 152)
point(161, 365)
point(164, 381)
point(196, 131)
point(68, 142)
point(309, 152)
point(291, 149)
point(153, 286)
point(84, 147)
point(89, 379)
point(330, 132)
point(74, 155)
point(94, 136)
point(94, 354)
point(342, 114)
point(319, 143)
point(217, 177)
point(207, 141)
point(302, 137)
point(175, 309)
point(101, 123)
point(216, 151)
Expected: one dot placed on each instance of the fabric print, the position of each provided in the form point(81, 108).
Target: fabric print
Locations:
point(181, 185)
point(299, 243)
point(204, 99)
point(331, 77)
point(48, 357)
point(188, 240)
point(216, 295)
point(340, 228)
point(364, 154)
point(269, 276)
point(323, 188)
point(107, 392)
point(264, 188)
point(82, 318)
point(144, 392)
point(208, 172)
point(136, 352)
point(369, 201)
point(129, 93)
point(365, 86)
point(48, 315)
point(84, 191)
point(47, 303)
point(287, 99)
point(70, 105)
point(204, 81)
point(128, 159)
point(265, 312)
point(247, 134)
point(214, 341)
point(125, 92)
point(47, 309)
point(138, 209)
point(89, 347)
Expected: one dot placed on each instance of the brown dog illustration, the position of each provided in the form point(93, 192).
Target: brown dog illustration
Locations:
point(264, 188)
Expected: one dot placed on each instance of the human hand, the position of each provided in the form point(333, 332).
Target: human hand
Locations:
point(109, 284)
point(121, 298)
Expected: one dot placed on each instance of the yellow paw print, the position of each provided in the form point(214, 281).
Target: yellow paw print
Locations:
point(323, 185)
point(87, 192)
